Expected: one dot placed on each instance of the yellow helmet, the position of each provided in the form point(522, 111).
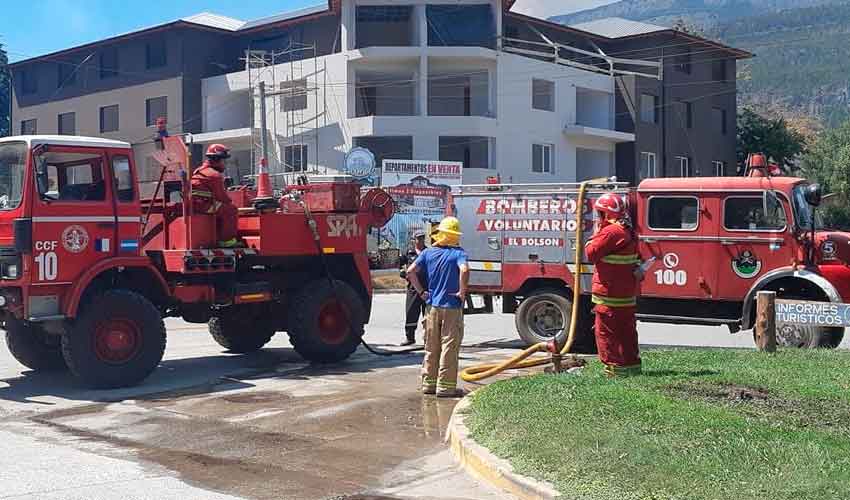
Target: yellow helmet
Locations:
point(449, 225)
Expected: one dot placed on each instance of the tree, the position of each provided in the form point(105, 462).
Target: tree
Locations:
point(828, 162)
point(5, 94)
point(771, 136)
point(688, 27)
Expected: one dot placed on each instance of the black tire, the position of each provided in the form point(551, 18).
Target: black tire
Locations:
point(117, 340)
point(326, 323)
point(546, 312)
point(242, 329)
point(808, 337)
point(32, 347)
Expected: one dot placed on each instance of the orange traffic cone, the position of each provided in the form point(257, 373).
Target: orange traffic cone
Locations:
point(265, 196)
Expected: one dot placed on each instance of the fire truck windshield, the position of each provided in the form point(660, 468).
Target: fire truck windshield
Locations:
point(12, 165)
point(803, 211)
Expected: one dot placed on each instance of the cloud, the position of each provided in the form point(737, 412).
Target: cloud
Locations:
point(548, 8)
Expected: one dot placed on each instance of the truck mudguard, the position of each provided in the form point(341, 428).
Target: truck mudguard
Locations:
point(80, 285)
point(785, 272)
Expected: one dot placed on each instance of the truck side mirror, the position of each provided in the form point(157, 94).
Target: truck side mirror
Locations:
point(813, 195)
point(41, 178)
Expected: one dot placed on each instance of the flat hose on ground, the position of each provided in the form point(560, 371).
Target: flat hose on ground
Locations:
point(520, 361)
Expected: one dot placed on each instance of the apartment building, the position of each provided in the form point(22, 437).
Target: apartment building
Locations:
point(454, 80)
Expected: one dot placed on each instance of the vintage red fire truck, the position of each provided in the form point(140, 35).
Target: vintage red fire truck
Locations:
point(88, 269)
point(716, 243)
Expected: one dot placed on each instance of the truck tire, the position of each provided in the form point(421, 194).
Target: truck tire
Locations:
point(31, 346)
point(808, 337)
point(545, 313)
point(326, 323)
point(242, 329)
point(117, 340)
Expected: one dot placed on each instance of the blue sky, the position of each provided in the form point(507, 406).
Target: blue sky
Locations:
point(37, 27)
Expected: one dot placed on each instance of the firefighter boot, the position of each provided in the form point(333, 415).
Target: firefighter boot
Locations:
point(411, 338)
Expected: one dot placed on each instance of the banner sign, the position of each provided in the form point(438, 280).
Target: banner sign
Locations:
point(812, 313)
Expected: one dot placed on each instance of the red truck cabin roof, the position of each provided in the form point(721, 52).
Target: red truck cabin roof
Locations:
point(692, 184)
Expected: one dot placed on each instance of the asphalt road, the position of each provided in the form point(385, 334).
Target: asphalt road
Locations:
point(210, 425)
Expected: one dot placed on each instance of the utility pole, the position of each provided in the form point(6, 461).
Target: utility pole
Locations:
point(264, 141)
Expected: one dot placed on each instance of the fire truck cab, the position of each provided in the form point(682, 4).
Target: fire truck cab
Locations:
point(89, 269)
point(716, 242)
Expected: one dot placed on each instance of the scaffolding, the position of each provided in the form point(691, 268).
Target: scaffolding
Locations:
point(294, 105)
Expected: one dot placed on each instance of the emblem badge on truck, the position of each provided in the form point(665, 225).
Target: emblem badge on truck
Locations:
point(75, 238)
point(746, 265)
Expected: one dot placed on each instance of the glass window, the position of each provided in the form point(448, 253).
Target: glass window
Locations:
point(67, 74)
point(719, 168)
point(294, 95)
point(719, 115)
point(124, 188)
point(648, 107)
point(29, 83)
point(686, 113)
point(748, 214)
point(541, 158)
point(109, 118)
point(385, 26)
point(156, 107)
point(684, 164)
point(67, 124)
point(718, 71)
point(13, 159)
point(29, 127)
point(673, 213)
point(543, 95)
point(109, 63)
point(474, 152)
point(156, 55)
point(683, 62)
point(648, 166)
point(74, 176)
point(461, 25)
point(295, 158)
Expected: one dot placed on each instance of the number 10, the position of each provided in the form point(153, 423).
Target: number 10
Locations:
point(48, 266)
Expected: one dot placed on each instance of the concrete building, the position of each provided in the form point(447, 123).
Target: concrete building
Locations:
point(458, 80)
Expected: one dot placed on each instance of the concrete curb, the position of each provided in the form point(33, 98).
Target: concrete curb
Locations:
point(479, 462)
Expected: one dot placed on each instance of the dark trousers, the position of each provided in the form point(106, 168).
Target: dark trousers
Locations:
point(414, 308)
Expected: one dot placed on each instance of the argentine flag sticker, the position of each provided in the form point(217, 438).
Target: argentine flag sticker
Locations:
point(129, 245)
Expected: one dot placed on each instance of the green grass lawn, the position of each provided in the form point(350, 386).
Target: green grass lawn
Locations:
point(698, 424)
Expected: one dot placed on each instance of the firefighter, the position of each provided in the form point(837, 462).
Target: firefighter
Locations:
point(414, 306)
point(613, 252)
point(447, 272)
point(209, 195)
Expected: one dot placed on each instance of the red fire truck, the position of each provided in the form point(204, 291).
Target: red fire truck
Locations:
point(88, 269)
point(716, 243)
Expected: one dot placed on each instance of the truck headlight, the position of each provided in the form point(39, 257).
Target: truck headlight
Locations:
point(2, 301)
point(12, 271)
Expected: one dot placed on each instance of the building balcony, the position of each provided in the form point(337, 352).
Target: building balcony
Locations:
point(583, 131)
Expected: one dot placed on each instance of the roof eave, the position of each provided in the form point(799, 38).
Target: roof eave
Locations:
point(558, 26)
point(738, 53)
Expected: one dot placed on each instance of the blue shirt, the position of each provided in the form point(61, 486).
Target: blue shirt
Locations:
point(442, 266)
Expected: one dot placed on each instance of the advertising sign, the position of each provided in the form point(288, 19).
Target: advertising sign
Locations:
point(812, 313)
point(360, 164)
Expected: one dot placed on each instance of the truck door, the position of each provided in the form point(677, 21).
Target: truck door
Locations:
point(753, 239)
point(481, 221)
point(673, 228)
point(73, 218)
point(128, 210)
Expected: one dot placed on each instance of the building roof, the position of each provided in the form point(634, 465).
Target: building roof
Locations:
point(215, 21)
point(66, 140)
point(285, 16)
point(617, 27)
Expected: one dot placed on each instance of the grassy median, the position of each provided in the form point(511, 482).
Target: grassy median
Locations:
point(699, 424)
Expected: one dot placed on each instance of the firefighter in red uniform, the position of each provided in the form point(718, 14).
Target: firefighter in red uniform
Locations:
point(209, 195)
point(613, 251)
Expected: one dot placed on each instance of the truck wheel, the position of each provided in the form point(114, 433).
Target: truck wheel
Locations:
point(117, 340)
point(326, 323)
point(32, 347)
point(808, 337)
point(242, 329)
point(545, 313)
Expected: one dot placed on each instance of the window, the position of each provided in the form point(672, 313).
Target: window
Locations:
point(156, 107)
point(719, 168)
point(673, 213)
point(686, 114)
point(29, 127)
point(543, 95)
point(683, 62)
point(459, 95)
point(684, 164)
point(295, 158)
point(74, 177)
point(648, 107)
point(124, 188)
point(109, 118)
point(461, 25)
point(67, 124)
point(718, 71)
point(387, 147)
point(13, 162)
point(541, 158)
point(294, 95)
point(29, 83)
point(385, 94)
point(474, 152)
point(747, 213)
point(66, 74)
point(109, 63)
point(648, 169)
point(156, 55)
point(385, 26)
point(719, 116)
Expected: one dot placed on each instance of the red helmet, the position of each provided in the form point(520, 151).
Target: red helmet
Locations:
point(218, 152)
point(612, 205)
